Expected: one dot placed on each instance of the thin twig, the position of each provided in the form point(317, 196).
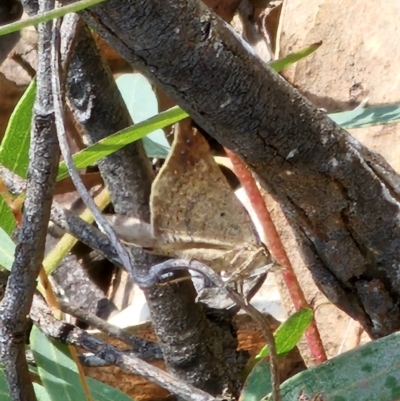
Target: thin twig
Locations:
point(58, 110)
point(84, 232)
point(173, 265)
point(69, 334)
point(143, 349)
point(278, 251)
point(42, 171)
point(58, 94)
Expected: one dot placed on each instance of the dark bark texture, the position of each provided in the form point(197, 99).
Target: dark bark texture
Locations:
point(42, 171)
point(341, 199)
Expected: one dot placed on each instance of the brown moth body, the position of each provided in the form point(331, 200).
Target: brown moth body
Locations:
point(195, 215)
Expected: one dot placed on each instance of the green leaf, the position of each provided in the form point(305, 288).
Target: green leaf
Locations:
point(289, 332)
point(7, 219)
point(7, 249)
point(142, 104)
point(367, 117)
point(258, 383)
point(14, 148)
point(367, 373)
point(59, 373)
point(40, 391)
point(279, 65)
point(56, 368)
point(114, 142)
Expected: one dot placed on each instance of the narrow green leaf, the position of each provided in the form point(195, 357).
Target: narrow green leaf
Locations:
point(114, 142)
point(14, 148)
point(48, 16)
point(59, 373)
point(103, 392)
point(281, 64)
point(40, 392)
point(367, 117)
point(7, 249)
point(56, 368)
point(7, 220)
point(289, 332)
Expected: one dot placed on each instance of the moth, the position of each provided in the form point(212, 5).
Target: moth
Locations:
point(195, 215)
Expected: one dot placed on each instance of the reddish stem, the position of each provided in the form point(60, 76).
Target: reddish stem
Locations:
point(278, 251)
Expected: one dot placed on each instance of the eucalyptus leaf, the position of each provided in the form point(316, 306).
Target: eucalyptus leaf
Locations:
point(370, 372)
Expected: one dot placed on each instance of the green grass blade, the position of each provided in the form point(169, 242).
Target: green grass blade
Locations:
point(281, 64)
point(114, 142)
point(49, 15)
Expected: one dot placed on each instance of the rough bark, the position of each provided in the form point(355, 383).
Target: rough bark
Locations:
point(340, 198)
